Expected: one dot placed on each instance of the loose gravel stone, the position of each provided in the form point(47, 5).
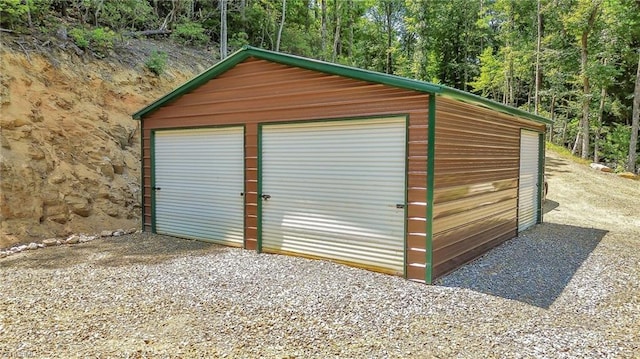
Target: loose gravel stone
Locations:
point(51, 242)
point(569, 288)
point(73, 239)
point(106, 234)
point(32, 246)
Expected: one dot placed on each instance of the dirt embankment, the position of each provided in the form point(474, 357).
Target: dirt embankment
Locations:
point(69, 155)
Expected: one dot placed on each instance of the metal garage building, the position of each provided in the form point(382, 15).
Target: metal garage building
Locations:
point(283, 154)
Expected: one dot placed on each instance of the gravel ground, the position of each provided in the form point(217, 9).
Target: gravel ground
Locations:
point(568, 288)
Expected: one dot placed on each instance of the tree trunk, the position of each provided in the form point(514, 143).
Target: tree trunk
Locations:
point(586, 99)
point(536, 101)
point(596, 139)
point(284, 11)
point(336, 36)
point(576, 143)
point(563, 137)
point(586, 87)
point(389, 14)
point(635, 117)
point(243, 14)
point(29, 13)
point(350, 25)
point(323, 28)
point(223, 29)
point(553, 120)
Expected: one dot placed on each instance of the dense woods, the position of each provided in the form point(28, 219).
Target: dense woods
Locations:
point(576, 62)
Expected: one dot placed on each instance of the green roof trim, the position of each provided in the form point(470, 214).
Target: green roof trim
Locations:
point(333, 69)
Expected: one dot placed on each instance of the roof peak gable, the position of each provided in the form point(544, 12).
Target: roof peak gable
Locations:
point(334, 69)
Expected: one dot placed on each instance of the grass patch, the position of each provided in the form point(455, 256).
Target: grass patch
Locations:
point(566, 153)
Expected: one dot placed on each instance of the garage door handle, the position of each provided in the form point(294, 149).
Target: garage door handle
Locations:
point(156, 188)
point(399, 205)
point(266, 196)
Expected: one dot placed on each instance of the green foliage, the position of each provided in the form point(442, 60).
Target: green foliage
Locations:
point(491, 77)
point(238, 40)
point(100, 39)
point(80, 37)
point(615, 148)
point(190, 33)
point(157, 62)
point(12, 12)
point(488, 47)
point(128, 14)
point(566, 153)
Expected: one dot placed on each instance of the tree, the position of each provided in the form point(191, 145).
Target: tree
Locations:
point(223, 29)
point(282, 17)
point(536, 101)
point(635, 117)
point(582, 23)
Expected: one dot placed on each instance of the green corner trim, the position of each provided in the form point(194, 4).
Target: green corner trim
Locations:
point(541, 161)
point(333, 69)
point(431, 161)
point(406, 193)
point(153, 181)
point(141, 176)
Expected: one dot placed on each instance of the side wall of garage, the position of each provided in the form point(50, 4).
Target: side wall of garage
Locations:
point(477, 161)
point(257, 91)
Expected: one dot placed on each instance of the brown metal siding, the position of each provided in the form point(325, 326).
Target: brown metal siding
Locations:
point(258, 91)
point(476, 181)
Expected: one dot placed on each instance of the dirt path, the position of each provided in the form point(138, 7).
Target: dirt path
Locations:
point(579, 195)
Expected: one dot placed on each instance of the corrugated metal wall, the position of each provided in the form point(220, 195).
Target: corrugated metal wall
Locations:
point(476, 181)
point(258, 91)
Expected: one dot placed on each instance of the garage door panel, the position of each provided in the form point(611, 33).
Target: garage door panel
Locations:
point(200, 175)
point(528, 184)
point(334, 190)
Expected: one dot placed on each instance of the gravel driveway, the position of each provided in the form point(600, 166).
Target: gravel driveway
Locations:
point(567, 288)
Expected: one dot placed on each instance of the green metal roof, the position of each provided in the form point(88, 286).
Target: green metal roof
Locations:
point(333, 69)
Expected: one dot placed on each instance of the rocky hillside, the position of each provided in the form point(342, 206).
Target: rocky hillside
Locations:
point(69, 156)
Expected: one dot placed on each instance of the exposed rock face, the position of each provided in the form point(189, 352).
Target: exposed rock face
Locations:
point(69, 150)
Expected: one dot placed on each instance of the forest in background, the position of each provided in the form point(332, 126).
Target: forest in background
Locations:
point(576, 62)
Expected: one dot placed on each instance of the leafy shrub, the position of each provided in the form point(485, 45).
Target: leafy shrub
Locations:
point(615, 147)
point(80, 37)
point(132, 14)
point(157, 62)
point(238, 40)
point(101, 38)
point(11, 11)
point(190, 33)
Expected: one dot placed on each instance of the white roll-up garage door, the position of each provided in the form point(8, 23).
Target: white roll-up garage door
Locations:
point(199, 177)
point(528, 191)
point(336, 190)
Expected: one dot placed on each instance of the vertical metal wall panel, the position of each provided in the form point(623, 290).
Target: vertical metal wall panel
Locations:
point(476, 179)
point(200, 176)
point(528, 185)
point(334, 191)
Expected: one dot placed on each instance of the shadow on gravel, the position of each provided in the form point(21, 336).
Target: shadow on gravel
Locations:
point(533, 268)
point(141, 248)
point(549, 206)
